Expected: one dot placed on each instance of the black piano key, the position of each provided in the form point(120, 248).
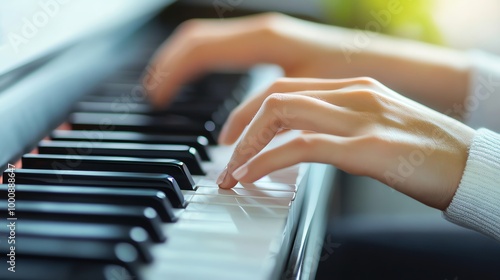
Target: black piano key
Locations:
point(135, 236)
point(172, 167)
point(201, 111)
point(171, 124)
point(145, 217)
point(215, 86)
point(220, 116)
point(128, 180)
point(85, 252)
point(112, 107)
point(130, 74)
point(62, 269)
point(200, 143)
point(183, 153)
point(128, 86)
point(127, 92)
point(110, 98)
point(113, 196)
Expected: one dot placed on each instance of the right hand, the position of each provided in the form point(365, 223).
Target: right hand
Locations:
point(301, 48)
point(358, 125)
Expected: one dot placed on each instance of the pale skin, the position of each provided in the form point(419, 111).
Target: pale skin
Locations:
point(360, 125)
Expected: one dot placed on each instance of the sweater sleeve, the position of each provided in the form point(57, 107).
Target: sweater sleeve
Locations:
point(476, 203)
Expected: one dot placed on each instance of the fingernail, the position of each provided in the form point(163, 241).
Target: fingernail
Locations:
point(240, 172)
point(222, 176)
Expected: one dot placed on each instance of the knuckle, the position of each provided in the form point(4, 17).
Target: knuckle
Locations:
point(283, 81)
point(309, 147)
point(189, 26)
point(270, 18)
point(271, 23)
point(373, 140)
point(189, 35)
point(366, 94)
point(304, 142)
point(279, 83)
point(367, 81)
point(274, 100)
point(368, 97)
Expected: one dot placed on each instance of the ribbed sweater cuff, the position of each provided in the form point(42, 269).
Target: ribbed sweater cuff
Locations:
point(476, 203)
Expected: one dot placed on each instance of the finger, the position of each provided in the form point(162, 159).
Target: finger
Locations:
point(244, 113)
point(316, 147)
point(291, 112)
point(202, 45)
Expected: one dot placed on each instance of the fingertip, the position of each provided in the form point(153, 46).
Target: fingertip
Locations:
point(151, 92)
point(224, 181)
point(228, 183)
point(151, 78)
point(158, 86)
point(225, 186)
point(160, 96)
point(146, 81)
point(156, 99)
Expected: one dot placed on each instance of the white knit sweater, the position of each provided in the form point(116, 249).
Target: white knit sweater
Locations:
point(476, 203)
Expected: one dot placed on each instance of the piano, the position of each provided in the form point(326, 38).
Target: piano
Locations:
point(106, 187)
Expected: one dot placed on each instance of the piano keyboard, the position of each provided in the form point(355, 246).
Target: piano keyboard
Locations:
point(129, 192)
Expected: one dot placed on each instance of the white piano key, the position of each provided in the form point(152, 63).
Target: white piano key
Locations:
point(188, 270)
point(237, 200)
point(250, 254)
point(249, 210)
point(246, 192)
point(271, 186)
point(240, 253)
point(207, 252)
point(212, 266)
point(187, 194)
point(245, 228)
point(187, 242)
point(235, 217)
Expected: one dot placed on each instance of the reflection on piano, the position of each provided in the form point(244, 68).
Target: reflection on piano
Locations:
point(128, 192)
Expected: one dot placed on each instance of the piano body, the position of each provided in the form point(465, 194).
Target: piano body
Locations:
point(129, 192)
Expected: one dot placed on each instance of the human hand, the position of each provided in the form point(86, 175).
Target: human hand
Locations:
point(359, 126)
point(302, 48)
point(432, 75)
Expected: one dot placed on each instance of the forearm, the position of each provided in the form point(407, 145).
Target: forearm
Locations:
point(435, 76)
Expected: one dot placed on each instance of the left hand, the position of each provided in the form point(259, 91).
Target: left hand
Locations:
point(359, 126)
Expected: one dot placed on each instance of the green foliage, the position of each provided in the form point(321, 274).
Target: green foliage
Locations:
point(408, 18)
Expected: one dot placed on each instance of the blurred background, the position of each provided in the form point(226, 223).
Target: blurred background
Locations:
point(455, 23)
